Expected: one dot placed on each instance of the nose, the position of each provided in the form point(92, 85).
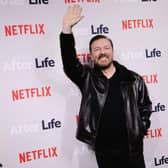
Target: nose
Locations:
point(102, 51)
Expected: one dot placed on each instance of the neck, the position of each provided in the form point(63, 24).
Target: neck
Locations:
point(109, 72)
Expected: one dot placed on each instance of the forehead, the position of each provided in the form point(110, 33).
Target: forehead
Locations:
point(101, 42)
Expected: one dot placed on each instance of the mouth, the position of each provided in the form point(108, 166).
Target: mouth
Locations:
point(103, 57)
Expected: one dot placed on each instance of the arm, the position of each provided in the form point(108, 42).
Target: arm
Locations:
point(145, 105)
point(72, 67)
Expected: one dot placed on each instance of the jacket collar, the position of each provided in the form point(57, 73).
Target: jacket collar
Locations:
point(125, 75)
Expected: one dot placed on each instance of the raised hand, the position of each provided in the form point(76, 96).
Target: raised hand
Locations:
point(71, 18)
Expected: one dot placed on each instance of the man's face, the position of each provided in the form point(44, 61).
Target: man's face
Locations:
point(102, 53)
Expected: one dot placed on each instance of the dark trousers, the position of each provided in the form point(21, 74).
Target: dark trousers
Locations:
point(109, 160)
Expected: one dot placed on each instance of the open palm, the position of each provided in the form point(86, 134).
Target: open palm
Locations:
point(72, 16)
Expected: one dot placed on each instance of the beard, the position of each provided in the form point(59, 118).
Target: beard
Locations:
point(104, 65)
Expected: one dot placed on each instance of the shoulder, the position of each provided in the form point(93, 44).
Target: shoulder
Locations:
point(127, 74)
point(136, 75)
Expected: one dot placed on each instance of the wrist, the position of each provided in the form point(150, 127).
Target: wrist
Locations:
point(66, 29)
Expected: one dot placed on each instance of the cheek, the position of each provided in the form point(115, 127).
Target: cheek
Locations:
point(93, 57)
point(110, 54)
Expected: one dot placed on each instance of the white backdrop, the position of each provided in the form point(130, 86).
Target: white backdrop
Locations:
point(39, 104)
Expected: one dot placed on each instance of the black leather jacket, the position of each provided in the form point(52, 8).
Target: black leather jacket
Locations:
point(94, 88)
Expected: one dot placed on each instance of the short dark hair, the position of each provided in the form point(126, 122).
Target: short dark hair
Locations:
point(97, 37)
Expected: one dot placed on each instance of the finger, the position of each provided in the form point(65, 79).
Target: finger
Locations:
point(76, 9)
point(69, 9)
point(78, 12)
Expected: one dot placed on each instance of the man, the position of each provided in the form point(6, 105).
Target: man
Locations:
point(115, 106)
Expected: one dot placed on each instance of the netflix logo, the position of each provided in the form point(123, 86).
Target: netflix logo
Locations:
point(151, 79)
point(28, 93)
point(24, 29)
point(38, 154)
point(154, 133)
point(84, 58)
point(137, 24)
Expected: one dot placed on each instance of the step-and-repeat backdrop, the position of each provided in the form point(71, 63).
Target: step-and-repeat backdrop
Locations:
point(39, 105)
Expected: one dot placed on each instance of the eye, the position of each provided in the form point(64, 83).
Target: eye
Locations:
point(106, 47)
point(96, 49)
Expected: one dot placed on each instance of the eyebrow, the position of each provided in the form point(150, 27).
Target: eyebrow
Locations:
point(103, 46)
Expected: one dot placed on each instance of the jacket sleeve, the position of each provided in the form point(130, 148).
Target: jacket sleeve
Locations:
point(72, 66)
point(145, 105)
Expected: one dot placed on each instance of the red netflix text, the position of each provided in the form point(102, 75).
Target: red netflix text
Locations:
point(24, 29)
point(137, 24)
point(151, 79)
point(21, 94)
point(37, 154)
point(154, 133)
point(84, 58)
point(77, 119)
